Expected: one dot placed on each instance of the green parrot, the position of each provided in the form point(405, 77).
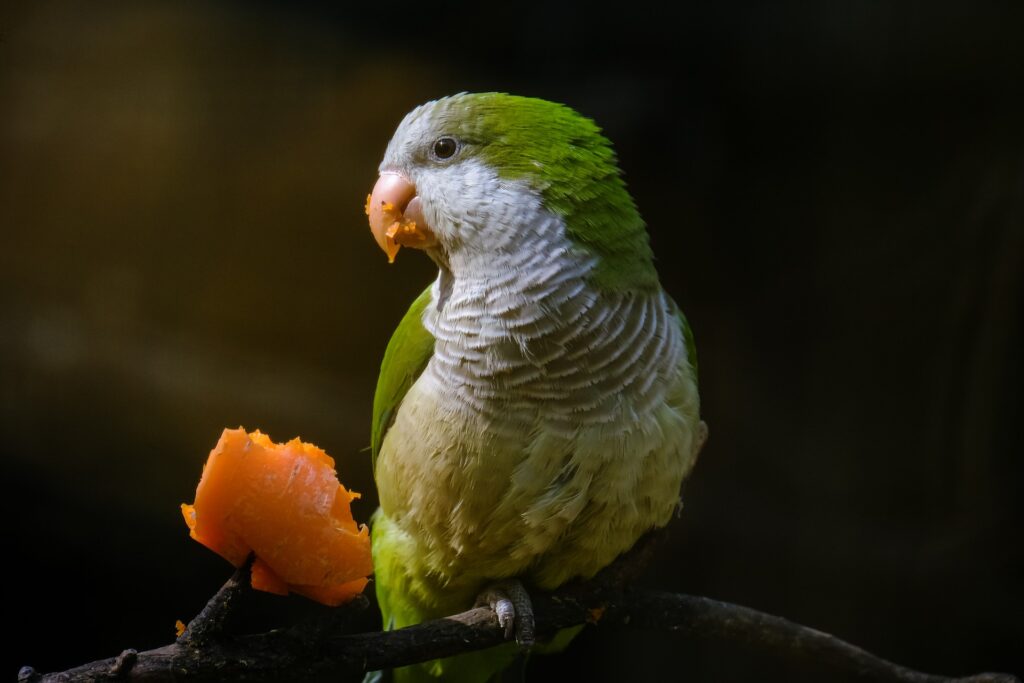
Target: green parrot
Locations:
point(537, 407)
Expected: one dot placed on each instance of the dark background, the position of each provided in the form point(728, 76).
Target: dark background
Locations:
point(835, 193)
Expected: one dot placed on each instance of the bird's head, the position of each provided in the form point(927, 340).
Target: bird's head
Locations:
point(466, 176)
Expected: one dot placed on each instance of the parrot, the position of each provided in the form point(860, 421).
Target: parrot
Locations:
point(537, 406)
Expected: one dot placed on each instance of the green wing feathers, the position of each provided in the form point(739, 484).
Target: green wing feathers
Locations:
point(691, 344)
point(408, 352)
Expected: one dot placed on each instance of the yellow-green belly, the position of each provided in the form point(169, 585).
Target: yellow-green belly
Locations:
point(466, 500)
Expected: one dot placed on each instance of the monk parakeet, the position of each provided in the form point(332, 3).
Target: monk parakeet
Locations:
point(537, 406)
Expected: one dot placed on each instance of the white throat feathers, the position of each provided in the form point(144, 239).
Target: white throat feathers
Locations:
point(520, 333)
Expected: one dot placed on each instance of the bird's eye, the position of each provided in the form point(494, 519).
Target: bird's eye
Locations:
point(445, 148)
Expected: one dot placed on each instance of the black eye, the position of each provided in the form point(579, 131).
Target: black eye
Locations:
point(445, 148)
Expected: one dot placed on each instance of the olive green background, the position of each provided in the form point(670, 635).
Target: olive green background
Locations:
point(835, 195)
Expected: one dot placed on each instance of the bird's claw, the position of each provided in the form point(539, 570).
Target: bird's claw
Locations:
point(506, 615)
point(511, 603)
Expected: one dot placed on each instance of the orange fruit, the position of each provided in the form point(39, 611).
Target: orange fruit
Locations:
point(284, 503)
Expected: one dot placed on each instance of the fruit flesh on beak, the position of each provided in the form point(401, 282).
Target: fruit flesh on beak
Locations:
point(396, 215)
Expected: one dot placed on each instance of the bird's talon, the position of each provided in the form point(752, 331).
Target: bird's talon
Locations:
point(511, 603)
point(506, 616)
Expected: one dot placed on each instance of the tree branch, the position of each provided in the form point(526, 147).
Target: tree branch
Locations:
point(209, 624)
point(322, 650)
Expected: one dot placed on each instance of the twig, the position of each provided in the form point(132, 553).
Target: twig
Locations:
point(206, 653)
point(208, 625)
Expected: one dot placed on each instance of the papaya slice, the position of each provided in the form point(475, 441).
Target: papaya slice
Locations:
point(284, 503)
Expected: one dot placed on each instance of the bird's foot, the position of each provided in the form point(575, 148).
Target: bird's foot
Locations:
point(512, 604)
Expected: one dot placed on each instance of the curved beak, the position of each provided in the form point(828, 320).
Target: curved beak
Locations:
point(396, 215)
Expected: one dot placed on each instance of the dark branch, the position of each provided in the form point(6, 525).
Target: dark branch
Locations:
point(209, 623)
point(206, 653)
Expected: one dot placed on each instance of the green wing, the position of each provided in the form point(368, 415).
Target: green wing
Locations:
point(408, 352)
point(691, 344)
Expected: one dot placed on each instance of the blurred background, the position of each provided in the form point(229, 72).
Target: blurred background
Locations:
point(835, 193)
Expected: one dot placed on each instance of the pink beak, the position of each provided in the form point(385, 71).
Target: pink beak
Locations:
point(396, 215)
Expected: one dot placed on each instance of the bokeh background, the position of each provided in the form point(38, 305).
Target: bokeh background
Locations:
point(835, 193)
